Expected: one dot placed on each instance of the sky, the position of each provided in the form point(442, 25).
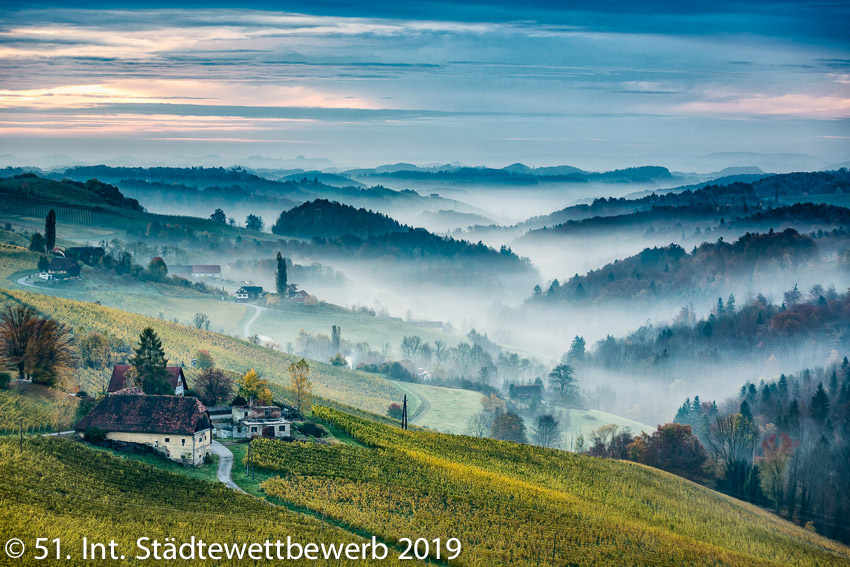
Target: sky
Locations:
point(594, 84)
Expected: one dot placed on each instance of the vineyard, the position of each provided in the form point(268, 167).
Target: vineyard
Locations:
point(63, 489)
point(36, 414)
point(359, 389)
point(522, 505)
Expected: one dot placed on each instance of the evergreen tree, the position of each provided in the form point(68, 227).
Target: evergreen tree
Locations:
point(819, 408)
point(576, 353)
point(43, 263)
point(746, 412)
point(150, 364)
point(50, 230)
point(280, 281)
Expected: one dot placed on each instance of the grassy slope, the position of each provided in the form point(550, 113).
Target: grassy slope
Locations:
point(60, 488)
point(359, 389)
point(507, 502)
point(284, 321)
point(447, 409)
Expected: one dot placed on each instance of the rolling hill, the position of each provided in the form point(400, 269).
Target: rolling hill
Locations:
point(520, 505)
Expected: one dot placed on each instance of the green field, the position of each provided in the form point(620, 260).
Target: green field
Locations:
point(446, 410)
point(285, 321)
point(521, 505)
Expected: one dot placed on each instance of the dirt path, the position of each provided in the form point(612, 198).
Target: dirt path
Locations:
point(225, 465)
point(257, 310)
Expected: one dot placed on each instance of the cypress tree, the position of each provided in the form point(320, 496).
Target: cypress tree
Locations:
point(50, 230)
point(280, 282)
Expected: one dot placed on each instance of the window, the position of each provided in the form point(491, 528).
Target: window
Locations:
point(253, 430)
point(168, 439)
point(281, 428)
point(184, 441)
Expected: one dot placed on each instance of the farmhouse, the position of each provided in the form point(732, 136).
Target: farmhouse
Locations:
point(248, 292)
point(61, 269)
point(118, 381)
point(258, 421)
point(179, 428)
point(299, 296)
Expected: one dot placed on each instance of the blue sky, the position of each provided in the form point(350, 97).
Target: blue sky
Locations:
point(592, 84)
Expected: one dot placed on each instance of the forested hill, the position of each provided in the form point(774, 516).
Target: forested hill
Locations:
point(736, 194)
point(325, 219)
point(671, 271)
point(812, 323)
point(92, 192)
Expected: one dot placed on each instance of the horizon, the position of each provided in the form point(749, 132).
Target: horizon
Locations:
point(693, 89)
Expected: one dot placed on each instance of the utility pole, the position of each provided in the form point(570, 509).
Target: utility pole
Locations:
point(404, 413)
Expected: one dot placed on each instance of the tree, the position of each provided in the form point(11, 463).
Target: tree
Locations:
point(547, 431)
point(201, 321)
point(395, 411)
point(151, 365)
point(37, 242)
point(339, 360)
point(205, 359)
point(95, 350)
point(410, 346)
point(43, 264)
point(157, 268)
point(731, 439)
point(214, 386)
point(674, 448)
point(50, 230)
point(508, 426)
point(336, 337)
point(49, 354)
point(562, 382)
point(280, 276)
point(479, 425)
point(254, 222)
point(819, 407)
point(299, 373)
point(576, 353)
point(36, 347)
point(219, 216)
point(252, 387)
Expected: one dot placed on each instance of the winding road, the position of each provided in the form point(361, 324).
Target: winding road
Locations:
point(225, 465)
point(257, 311)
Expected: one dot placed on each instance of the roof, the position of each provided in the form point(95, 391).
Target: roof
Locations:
point(117, 381)
point(62, 265)
point(251, 289)
point(180, 269)
point(147, 414)
point(206, 269)
point(521, 390)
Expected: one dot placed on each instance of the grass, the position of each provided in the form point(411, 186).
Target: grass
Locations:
point(284, 321)
point(447, 410)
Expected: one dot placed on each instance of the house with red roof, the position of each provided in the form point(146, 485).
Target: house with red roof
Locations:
point(179, 428)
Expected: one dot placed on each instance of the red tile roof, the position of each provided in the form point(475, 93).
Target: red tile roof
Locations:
point(117, 381)
point(147, 414)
